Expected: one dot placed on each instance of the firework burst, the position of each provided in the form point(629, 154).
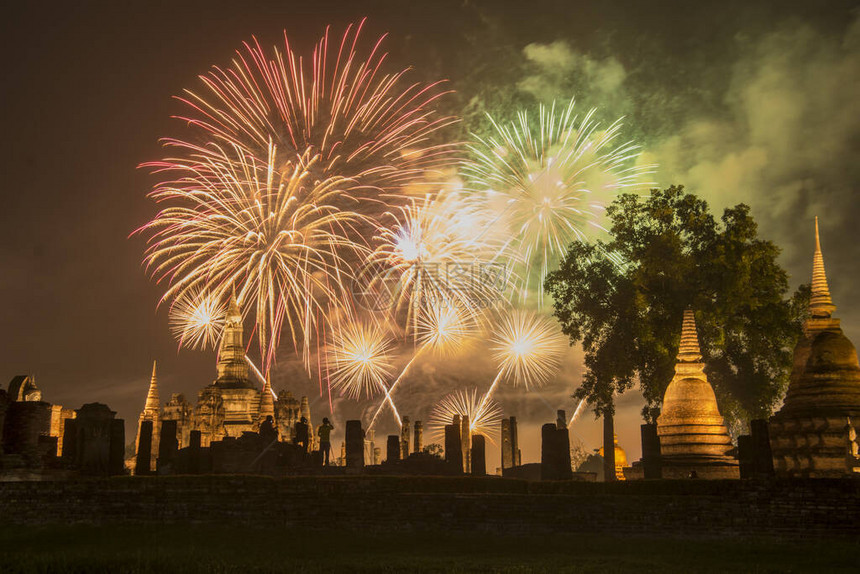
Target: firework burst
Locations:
point(196, 320)
point(445, 328)
point(529, 348)
point(363, 122)
point(276, 237)
point(360, 358)
point(296, 161)
point(484, 416)
point(549, 182)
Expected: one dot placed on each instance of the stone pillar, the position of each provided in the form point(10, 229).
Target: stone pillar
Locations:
point(565, 467)
point(762, 454)
point(25, 422)
point(370, 444)
point(144, 449)
point(479, 455)
point(116, 457)
point(405, 438)
point(609, 447)
point(47, 448)
point(453, 446)
point(305, 411)
point(59, 416)
point(167, 447)
point(4, 405)
point(393, 450)
point(651, 466)
point(419, 437)
point(466, 439)
point(515, 443)
point(194, 452)
point(94, 431)
point(70, 442)
point(746, 457)
point(507, 451)
point(547, 452)
point(555, 453)
point(561, 419)
point(354, 445)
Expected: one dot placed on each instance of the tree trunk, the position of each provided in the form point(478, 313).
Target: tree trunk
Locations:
point(608, 447)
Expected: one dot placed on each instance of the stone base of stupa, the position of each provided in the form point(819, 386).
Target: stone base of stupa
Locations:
point(703, 470)
point(684, 469)
point(814, 446)
point(634, 472)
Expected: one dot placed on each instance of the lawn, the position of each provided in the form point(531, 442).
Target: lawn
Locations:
point(222, 549)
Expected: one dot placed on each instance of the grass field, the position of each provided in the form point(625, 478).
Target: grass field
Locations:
point(175, 548)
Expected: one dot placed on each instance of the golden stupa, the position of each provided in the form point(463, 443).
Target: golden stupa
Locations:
point(693, 436)
point(813, 433)
point(620, 459)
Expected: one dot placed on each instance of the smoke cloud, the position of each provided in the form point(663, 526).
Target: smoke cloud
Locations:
point(777, 128)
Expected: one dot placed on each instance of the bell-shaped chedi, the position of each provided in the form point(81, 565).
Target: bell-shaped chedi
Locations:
point(620, 459)
point(693, 437)
point(813, 434)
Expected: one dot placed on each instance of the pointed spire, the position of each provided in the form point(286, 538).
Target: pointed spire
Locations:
point(267, 403)
point(820, 304)
point(689, 352)
point(152, 400)
point(233, 312)
point(231, 354)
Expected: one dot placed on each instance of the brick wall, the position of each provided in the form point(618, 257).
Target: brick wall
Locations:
point(688, 508)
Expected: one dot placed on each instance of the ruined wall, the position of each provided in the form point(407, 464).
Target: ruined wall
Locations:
point(694, 508)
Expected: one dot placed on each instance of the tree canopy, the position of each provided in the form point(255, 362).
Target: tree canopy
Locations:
point(624, 300)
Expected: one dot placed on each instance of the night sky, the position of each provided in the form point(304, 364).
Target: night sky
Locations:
point(741, 102)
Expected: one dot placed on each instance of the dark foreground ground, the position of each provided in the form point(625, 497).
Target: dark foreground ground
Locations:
point(216, 549)
point(247, 524)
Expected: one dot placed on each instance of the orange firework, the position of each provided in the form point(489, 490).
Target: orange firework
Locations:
point(288, 167)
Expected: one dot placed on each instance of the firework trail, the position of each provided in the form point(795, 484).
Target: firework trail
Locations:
point(579, 408)
point(549, 183)
point(260, 376)
point(443, 330)
point(484, 417)
point(390, 390)
point(297, 159)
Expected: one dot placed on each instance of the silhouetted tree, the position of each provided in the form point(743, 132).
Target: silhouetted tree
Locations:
point(624, 300)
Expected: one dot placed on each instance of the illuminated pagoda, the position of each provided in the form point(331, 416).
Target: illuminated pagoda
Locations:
point(232, 404)
point(693, 437)
point(620, 459)
point(151, 412)
point(814, 433)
